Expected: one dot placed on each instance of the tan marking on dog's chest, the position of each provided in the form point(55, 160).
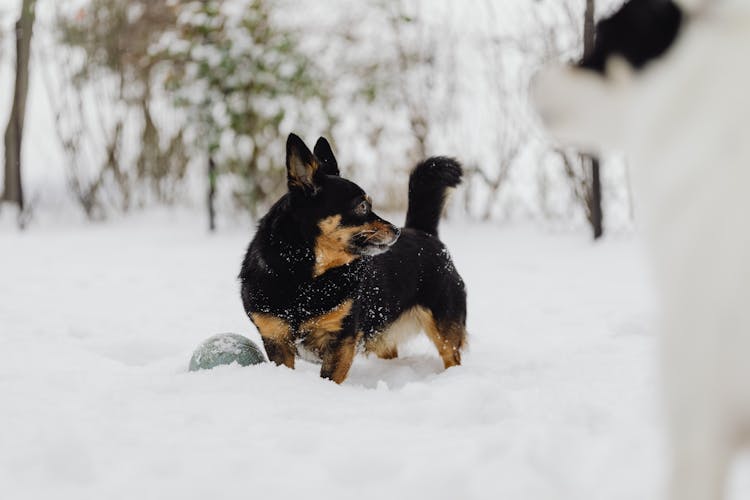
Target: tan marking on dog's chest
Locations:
point(332, 245)
point(319, 329)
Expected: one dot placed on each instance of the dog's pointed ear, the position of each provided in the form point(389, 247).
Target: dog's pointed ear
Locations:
point(301, 166)
point(324, 154)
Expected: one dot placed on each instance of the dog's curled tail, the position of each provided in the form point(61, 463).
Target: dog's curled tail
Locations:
point(428, 187)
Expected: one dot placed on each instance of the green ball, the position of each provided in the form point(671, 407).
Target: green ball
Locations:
point(225, 349)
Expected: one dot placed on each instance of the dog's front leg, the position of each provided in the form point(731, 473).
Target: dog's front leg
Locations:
point(338, 356)
point(277, 338)
point(281, 352)
point(335, 336)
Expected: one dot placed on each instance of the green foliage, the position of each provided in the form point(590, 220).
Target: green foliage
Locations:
point(228, 70)
point(117, 36)
point(240, 77)
point(118, 68)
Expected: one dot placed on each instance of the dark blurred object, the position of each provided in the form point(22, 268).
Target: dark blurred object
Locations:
point(642, 30)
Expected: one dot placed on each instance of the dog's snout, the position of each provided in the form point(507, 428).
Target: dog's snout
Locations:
point(396, 233)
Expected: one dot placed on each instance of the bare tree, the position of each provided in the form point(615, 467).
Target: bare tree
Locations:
point(415, 53)
point(510, 134)
point(211, 194)
point(100, 99)
point(594, 201)
point(13, 188)
point(582, 170)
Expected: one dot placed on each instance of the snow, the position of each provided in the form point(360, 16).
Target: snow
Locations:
point(556, 397)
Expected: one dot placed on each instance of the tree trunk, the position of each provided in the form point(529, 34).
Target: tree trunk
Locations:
point(211, 194)
point(589, 29)
point(13, 191)
point(595, 199)
point(597, 216)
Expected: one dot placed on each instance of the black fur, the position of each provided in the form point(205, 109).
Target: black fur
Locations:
point(278, 276)
point(641, 31)
point(324, 154)
point(427, 190)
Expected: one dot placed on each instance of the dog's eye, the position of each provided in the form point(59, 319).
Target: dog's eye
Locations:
point(362, 209)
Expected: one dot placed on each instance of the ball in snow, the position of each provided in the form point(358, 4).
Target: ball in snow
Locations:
point(225, 349)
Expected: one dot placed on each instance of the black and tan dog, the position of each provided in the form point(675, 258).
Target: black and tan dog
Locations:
point(325, 276)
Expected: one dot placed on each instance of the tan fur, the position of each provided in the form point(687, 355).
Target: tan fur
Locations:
point(301, 174)
point(386, 344)
point(271, 326)
point(449, 339)
point(332, 246)
point(320, 329)
point(382, 228)
point(277, 338)
point(386, 351)
point(321, 337)
point(338, 361)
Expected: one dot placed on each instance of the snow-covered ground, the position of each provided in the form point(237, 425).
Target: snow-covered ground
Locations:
point(556, 399)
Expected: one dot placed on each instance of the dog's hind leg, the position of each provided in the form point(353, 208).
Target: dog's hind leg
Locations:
point(277, 338)
point(383, 346)
point(448, 336)
point(389, 352)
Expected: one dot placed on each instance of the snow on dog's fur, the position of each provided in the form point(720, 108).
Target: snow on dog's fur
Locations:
point(683, 120)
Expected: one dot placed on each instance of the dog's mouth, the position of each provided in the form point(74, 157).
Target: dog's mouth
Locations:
point(375, 242)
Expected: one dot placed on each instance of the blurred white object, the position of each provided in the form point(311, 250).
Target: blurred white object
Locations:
point(693, 5)
point(685, 123)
